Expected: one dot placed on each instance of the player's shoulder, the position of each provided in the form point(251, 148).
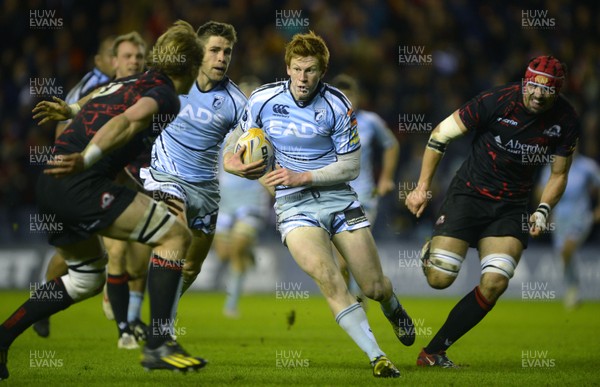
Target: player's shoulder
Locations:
point(335, 96)
point(268, 90)
point(501, 93)
point(237, 96)
point(565, 106)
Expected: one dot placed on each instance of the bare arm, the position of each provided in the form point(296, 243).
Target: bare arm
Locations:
point(416, 201)
point(388, 169)
point(114, 134)
point(553, 190)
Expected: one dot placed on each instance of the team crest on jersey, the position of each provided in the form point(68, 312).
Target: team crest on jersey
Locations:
point(319, 115)
point(218, 102)
point(553, 131)
point(106, 200)
point(440, 220)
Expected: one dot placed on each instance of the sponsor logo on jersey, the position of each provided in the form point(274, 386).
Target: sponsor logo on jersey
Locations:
point(553, 131)
point(200, 115)
point(440, 220)
point(218, 102)
point(507, 121)
point(303, 130)
point(281, 110)
point(517, 147)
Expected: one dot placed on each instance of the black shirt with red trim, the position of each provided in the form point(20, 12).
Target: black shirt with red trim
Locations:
point(511, 143)
point(110, 101)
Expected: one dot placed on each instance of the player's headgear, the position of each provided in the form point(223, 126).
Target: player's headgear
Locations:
point(545, 71)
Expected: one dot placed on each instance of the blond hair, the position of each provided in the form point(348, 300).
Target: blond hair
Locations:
point(310, 44)
point(178, 52)
point(132, 37)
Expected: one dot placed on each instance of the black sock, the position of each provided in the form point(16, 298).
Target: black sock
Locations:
point(117, 287)
point(44, 301)
point(164, 279)
point(466, 314)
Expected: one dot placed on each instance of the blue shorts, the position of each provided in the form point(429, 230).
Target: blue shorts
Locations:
point(335, 209)
point(201, 199)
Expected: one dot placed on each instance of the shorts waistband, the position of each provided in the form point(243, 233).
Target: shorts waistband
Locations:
point(314, 191)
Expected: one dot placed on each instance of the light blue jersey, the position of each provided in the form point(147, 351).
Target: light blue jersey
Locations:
point(189, 146)
point(573, 215)
point(583, 176)
point(373, 132)
point(305, 135)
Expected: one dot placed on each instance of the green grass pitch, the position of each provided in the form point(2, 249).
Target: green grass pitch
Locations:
point(518, 344)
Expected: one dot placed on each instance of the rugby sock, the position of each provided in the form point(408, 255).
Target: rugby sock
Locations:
point(571, 278)
point(49, 298)
point(466, 314)
point(117, 288)
point(135, 305)
point(389, 306)
point(354, 321)
point(234, 289)
point(164, 279)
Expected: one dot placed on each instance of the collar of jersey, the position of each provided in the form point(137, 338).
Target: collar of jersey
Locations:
point(222, 82)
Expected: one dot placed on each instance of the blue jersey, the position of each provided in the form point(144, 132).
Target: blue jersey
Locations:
point(373, 132)
point(306, 135)
point(189, 146)
point(576, 202)
point(89, 82)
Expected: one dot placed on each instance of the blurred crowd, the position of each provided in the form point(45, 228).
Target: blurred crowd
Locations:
point(416, 61)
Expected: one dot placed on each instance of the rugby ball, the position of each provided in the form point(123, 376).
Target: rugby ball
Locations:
point(258, 147)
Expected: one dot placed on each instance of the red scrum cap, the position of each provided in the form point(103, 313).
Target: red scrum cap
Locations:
point(545, 71)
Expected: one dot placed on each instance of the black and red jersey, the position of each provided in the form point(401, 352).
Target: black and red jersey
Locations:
point(110, 101)
point(511, 143)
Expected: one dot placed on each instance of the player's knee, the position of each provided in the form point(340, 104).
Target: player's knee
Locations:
point(441, 267)
point(85, 278)
point(438, 280)
point(375, 291)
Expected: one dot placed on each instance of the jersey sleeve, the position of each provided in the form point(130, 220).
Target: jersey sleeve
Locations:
point(345, 133)
point(166, 98)
point(568, 142)
point(249, 117)
point(474, 113)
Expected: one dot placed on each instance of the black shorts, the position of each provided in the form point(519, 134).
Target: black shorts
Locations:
point(468, 216)
point(79, 205)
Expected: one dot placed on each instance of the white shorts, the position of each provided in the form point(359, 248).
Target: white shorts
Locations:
point(334, 209)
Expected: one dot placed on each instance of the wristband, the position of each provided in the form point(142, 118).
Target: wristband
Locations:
point(74, 108)
point(544, 209)
point(91, 154)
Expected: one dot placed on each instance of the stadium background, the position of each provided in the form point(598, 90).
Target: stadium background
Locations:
point(460, 47)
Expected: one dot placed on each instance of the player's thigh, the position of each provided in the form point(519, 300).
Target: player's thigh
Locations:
point(148, 220)
point(311, 249)
point(454, 245)
point(358, 249)
point(221, 245)
point(88, 248)
point(500, 245)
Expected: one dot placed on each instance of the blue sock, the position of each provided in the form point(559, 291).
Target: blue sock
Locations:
point(571, 278)
point(135, 305)
point(234, 289)
point(354, 321)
